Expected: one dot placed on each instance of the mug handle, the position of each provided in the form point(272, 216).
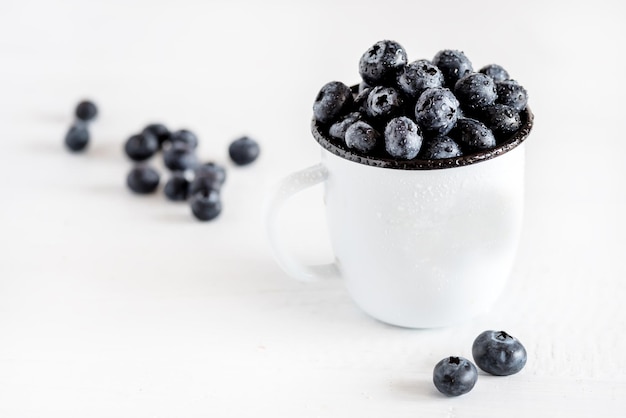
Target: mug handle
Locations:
point(287, 188)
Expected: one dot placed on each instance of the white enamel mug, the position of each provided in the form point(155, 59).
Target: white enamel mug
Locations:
point(419, 244)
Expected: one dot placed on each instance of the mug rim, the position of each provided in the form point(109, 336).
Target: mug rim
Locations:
point(341, 150)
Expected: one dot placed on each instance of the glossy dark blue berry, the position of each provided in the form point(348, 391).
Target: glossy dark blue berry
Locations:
point(86, 110)
point(495, 71)
point(333, 99)
point(338, 129)
point(382, 62)
point(436, 110)
point(361, 136)
point(213, 171)
point(244, 150)
point(143, 179)
point(177, 187)
point(383, 103)
point(475, 91)
point(142, 146)
point(160, 131)
point(499, 353)
point(440, 147)
point(179, 157)
point(510, 93)
point(403, 138)
point(419, 76)
point(474, 134)
point(77, 137)
point(184, 136)
point(455, 376)
point(453, 64)
point(206, 204)
point(503, 120)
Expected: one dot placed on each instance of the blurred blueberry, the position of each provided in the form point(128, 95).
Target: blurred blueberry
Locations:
point(177, 187)
point(142, 146)
point(206, 204)
point(179, 157)
point(143, 179)
point(86, 110)
point(244, 150)
point(77, 137)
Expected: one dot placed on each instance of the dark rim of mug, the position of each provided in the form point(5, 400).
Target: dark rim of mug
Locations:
point(417, 164)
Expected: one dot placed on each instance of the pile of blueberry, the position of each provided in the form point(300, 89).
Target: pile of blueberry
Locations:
point(77, 138)
point(421, 110)
point(495, 352)
point(190, 180)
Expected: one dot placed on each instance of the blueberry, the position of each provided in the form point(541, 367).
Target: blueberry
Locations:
point(177, 187)
point(475, 91)
point(474, 134)
point(206, 204)
point(158, 130)
point(244, 150)
point(360, 100)
point(383, 103)
point(382, 62)
point(333, 99)
point(86, 110)
point(403, 138)
point(503, 120)
point(453, 64)
point(436, 110)
point(142, 146)
point(454, 376)
point(184, 136)
point(441, 147)
point(419, 76)
point(495, 71)
point(77, 137)
point(498, 353)
point(180, 156)
point(338, 129)
point(214, 171)
point(361, 136)
point(143, 179)
point(510, 93)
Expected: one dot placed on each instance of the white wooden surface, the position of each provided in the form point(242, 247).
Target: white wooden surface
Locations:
point(114, 305)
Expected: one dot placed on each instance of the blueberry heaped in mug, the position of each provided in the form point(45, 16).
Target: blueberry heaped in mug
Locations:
point(420, 110)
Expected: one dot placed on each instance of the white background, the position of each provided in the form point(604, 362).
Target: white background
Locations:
point(116, 305)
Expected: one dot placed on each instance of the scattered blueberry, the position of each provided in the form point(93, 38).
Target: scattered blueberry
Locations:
point(212, 170)
point(177, 187)
point(160, 131)
point(502, 119)
point(510, 93)
point(403, 138)
point(474, 134)
point(454, 376)
point(383, 102)
point(244, 150)
point(361, 136)
point(206, 204)
point(441, 147)
point(495, 71)
point(436, 110)
point(380, 64)
point(204, 183)
point(142, 146)
point(184, 136)
point(453, 64)
point(86, 110)
point(77, 137)
point(338, 129)
point(143, 179)
point(498, 353)
point(333, 99)
point(475, 91)
point(419, 76)
point(179, 157)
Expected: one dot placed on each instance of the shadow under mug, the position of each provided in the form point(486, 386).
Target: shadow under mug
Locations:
point(419, 243)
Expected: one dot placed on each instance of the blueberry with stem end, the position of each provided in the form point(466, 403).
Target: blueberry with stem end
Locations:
point(453, 64)
point(403, 138)
point(383, 103)
point(436, 110)
point(498, 353)
point(419, 76)
point(206, 204)
point(361, 136)
point(454, 376)
point(382, 62)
